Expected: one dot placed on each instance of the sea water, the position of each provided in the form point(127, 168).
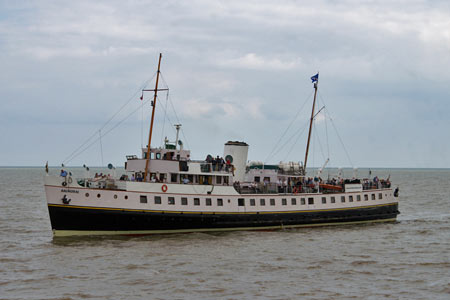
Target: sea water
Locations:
point(408, 259)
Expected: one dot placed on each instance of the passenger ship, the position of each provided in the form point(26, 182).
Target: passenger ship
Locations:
point(164, 191)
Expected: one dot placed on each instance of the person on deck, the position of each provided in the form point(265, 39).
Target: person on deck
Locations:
point(63, 173)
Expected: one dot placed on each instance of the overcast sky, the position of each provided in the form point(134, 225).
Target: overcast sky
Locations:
point(237, 70)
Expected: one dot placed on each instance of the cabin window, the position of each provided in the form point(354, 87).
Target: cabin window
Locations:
point(219, 179)
point(310, 201)
point(358, 197)
point(87, 194)
point(294, 201)
point(257, 179)
point(219, 202)
point(125, 197)
point(184, 201)
point(143, 199)
point(252, 202)
point(333, 199)
point(158, 155)
point(342, 199)
point(197, 201)
point(302, 201)
point(284, 201)
point(98, 195)
point(380, 196)
point(208, 201)
point(171, 200)
point(241, 202)
point(272, 202)
point(262, 202)
point(373, 196)
point(157, 200)
point(350, 198)
point(173, 177)
point(324, 200)
point(366, 197)
point(225, 180)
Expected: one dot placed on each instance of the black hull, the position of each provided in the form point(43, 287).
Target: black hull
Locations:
point(84, 220)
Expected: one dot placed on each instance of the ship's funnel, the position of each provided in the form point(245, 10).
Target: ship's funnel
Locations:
point(236, 153)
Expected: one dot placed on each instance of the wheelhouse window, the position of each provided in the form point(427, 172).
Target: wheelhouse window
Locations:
point(284, 201)
point(219, 202)
point(262, 202)
point(143, 199)
point(208, 201)
point(272, 202)
point(241, 202)
point(157, 200)
point(252, 202)
point(310, 201)
point(294, 201)
point(197, 201)
point(184, 201)
point(171, 200)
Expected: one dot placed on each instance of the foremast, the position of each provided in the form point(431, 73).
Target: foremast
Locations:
point(147, 158)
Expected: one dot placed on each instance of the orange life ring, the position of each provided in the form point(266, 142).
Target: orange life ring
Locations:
point(164, 188)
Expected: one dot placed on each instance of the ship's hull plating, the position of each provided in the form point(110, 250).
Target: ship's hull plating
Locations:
point(79, 220)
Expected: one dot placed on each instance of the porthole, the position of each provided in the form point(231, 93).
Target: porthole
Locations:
point(87, 194)
point(126, 197)
point(98, 195)
point(115, 196)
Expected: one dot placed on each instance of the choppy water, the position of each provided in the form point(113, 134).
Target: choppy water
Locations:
point(409, 259)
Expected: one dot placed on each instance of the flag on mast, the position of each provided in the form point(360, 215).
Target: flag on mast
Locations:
point(315, 78)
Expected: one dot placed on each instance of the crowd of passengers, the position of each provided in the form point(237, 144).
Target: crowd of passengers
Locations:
point(219, 164)
point(309, 185)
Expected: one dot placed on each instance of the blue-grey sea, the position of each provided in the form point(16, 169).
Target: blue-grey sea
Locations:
point(409, 259)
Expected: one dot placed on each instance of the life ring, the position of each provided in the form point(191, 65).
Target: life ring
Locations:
point(64, 183)
point(164, 188)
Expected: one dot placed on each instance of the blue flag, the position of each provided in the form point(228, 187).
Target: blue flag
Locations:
point(315, 78)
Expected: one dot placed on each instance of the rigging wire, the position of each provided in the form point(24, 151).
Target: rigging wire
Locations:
point(74, 153)
point(300, 133)
point(108, 131)
point(276, 147)
point(164, 118)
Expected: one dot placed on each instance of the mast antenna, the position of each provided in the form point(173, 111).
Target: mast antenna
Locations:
point(315, 80)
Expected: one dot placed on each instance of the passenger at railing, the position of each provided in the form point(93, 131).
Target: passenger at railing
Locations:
point(186, 180)
point(228, 165)
point(63, 173)
point(132, 177)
